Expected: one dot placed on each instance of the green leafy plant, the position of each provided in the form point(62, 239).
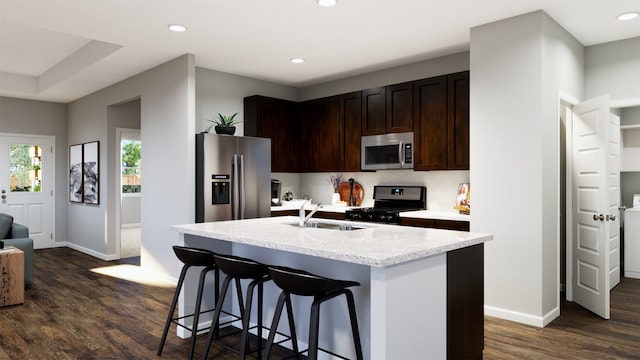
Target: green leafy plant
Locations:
point(225, 120)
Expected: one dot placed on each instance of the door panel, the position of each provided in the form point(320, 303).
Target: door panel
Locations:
point(27, 183)
point(591, 196)
point(613, 174)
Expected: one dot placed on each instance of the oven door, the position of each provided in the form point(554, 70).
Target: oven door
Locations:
point(388, 151)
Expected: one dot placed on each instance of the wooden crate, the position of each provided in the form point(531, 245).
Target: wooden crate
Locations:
point(11, 276)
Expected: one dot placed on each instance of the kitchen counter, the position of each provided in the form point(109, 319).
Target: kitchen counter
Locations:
point(420, 294)
point(376, 245)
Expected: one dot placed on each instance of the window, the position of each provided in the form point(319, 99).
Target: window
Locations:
point(25, 163)
point(131, 160)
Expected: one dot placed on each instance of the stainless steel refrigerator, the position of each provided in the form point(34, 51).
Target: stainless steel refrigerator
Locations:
point(233, 177)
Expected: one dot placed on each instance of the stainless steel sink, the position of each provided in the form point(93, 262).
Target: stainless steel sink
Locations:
point(329, 226)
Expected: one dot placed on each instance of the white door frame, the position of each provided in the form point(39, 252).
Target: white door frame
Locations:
point(571, 101)
point(118, 192)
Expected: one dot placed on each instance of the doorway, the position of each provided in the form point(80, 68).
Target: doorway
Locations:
point(27, 183)
point(590, 190)
point(130, 161)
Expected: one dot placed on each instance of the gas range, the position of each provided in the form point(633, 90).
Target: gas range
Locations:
point(389, 202)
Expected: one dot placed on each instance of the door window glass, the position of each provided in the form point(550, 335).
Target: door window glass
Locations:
point(25, 164)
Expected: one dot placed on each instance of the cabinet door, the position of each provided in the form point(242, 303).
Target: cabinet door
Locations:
point(350, 126)
point(430, 123)
point(274, 119)
point(458, 121)
point(399, 107)
point(320, 135)
point(373, 111)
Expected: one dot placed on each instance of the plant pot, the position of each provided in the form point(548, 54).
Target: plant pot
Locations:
point(225, 130)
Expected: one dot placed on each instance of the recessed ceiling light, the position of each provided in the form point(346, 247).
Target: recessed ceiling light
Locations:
point(628, 16)
point(297, 60)
point(177, 28)
point(327, 3)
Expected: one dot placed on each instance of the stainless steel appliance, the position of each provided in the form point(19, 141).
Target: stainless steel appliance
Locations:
point(276, 188)
point(233, 177)
point(389, 202)
point(388, 151)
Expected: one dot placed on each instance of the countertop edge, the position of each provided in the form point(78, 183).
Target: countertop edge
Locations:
point(474, 239)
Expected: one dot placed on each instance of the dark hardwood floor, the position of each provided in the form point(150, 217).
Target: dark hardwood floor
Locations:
point(74, 313)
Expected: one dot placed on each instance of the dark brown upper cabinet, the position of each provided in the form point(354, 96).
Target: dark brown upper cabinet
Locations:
point(350, 125)
point(458, 121)
point(373, 111)
point(441, 122)
point(387, 109)
point(320, 135)
point(399, 99)
point(275, 119)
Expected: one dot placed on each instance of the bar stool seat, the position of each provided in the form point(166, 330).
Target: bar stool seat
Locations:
point(303, 283)
point(191, 257)
point(236, 268)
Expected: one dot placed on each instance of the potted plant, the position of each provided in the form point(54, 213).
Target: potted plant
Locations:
point(224, 124)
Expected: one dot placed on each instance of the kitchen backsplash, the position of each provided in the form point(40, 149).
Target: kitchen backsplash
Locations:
point(442, 186)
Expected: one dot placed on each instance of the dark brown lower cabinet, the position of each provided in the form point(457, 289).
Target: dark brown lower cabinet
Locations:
point(436, 223)
point(465, 303)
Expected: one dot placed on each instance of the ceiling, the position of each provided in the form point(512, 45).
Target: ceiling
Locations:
point(60, 50)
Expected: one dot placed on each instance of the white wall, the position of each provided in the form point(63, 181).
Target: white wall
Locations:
point(614, 68)
point(43, 118)
point(518, 67)
point(442, 186)
point(167, 95)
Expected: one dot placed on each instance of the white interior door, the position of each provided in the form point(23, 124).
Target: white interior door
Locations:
point(27, 183)
point(594, 192)
point(613, 214)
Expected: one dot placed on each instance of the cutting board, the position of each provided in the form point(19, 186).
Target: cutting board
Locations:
point(358, 192)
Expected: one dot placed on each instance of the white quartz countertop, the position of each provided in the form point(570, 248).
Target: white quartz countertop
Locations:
point(438, 215)
point(377, 245)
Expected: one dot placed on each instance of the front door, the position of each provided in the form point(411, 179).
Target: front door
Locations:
point(27, 184)
point(595, 194)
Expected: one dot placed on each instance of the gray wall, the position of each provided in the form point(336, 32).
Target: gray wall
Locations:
point(518, 67)
point(420, 70)
point(218, 92)
point(630, 115)
point(167, 98)
point(43, 118)
point(614, 68)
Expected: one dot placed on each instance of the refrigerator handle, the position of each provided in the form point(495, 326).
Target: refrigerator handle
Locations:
point(235, 190)
point(242, 194)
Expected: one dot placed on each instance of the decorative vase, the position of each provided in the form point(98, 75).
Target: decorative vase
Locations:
point(335, 198)
point(225, 130)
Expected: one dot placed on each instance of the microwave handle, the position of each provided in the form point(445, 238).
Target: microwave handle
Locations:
point(401, 153)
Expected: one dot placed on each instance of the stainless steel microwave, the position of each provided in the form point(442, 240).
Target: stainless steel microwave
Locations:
point(388, 151)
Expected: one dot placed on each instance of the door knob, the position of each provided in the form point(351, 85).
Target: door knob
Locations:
point(3, 194)
point(597, 217)
point(611, 218)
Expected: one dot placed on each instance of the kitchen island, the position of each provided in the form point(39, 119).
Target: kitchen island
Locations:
point(421, 293)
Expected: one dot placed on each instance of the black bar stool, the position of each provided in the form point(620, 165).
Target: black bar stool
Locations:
point(299, 282)
point(191, 257)
point(236, 268)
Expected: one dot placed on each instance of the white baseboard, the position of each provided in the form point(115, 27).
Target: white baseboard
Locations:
point(99, 255)
point(632, 274)
point(527, 319)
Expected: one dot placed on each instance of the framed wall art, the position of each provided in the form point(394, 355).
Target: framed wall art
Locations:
point(84, 173)
point(90, 172)
point(75, 173)
point(463, 199)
